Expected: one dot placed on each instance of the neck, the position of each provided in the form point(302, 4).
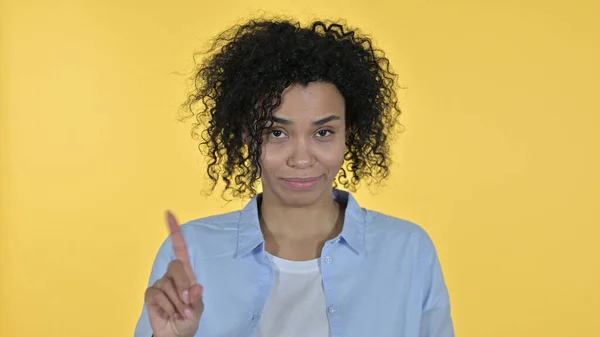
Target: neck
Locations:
point(318, 219)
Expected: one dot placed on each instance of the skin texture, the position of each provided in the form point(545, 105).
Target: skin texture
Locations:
point(307, 140)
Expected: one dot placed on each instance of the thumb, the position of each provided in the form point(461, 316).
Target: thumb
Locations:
point(196, 300)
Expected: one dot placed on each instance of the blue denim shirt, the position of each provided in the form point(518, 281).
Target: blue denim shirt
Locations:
point(381, 275)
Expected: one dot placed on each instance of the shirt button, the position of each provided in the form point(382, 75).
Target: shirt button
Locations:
point(328, 259)
point(332, 309)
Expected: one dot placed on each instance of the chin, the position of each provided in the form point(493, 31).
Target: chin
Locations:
point(300, 199)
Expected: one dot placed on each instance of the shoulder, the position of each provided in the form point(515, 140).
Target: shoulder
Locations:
point(392, 229)
point(211, 236)
point(222, 221)
point(388, 224)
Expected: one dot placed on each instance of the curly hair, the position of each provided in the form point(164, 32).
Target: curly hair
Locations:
point(241, 80)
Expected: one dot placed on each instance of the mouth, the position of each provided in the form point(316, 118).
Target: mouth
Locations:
point(301, 184)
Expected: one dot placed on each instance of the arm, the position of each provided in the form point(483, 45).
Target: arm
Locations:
point(436, 318)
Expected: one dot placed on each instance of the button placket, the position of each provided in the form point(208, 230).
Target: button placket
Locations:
point(328, 260)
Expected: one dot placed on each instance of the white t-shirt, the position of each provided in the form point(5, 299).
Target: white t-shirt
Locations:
point(296, 305)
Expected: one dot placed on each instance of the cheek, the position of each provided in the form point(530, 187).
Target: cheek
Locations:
point(333, 156)
point(271, 158)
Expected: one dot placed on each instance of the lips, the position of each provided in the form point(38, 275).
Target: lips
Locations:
point(301, 180)
point(301, 184)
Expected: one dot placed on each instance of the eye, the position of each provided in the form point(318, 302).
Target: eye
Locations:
point(324, 133)
point(276, 133)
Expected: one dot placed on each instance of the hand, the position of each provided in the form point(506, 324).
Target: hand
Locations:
point(175, 301)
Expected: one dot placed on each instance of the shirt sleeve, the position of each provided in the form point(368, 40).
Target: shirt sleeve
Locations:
point(159, 268)
point(436, 318)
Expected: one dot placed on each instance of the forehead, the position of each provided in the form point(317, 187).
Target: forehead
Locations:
point(316, 99)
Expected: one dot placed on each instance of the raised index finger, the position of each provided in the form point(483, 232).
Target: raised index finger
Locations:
point(179, 246)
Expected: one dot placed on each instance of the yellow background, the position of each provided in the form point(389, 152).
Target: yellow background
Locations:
point(499, 160)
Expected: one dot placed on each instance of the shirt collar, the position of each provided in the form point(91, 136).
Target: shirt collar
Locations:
point(250, 236)
point(249, 233)
point(353, 232)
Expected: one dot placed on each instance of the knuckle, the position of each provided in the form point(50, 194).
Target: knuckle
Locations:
point(171, 291)
point(174, 267)
point(160, 283)
point(153, 291)
point(167, 284)
point(175, 263)
point(150, 293)
point(162, 280)
point(166, 304)
point(178, 275)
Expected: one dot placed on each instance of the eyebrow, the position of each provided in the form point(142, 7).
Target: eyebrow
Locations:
point(316, 123)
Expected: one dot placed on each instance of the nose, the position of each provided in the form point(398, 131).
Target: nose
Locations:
point(301, 155)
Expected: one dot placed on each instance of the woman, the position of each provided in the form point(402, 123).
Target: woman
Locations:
point(287, 106)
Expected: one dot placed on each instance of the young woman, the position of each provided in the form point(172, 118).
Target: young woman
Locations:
point(287, 106)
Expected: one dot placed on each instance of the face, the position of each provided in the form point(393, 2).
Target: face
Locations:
point(303, 150)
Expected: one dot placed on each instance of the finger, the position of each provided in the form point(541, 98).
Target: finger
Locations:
point(176, 271)
point(179, 245)
point(157, 299)
point(196, 299)
point(167, 286)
